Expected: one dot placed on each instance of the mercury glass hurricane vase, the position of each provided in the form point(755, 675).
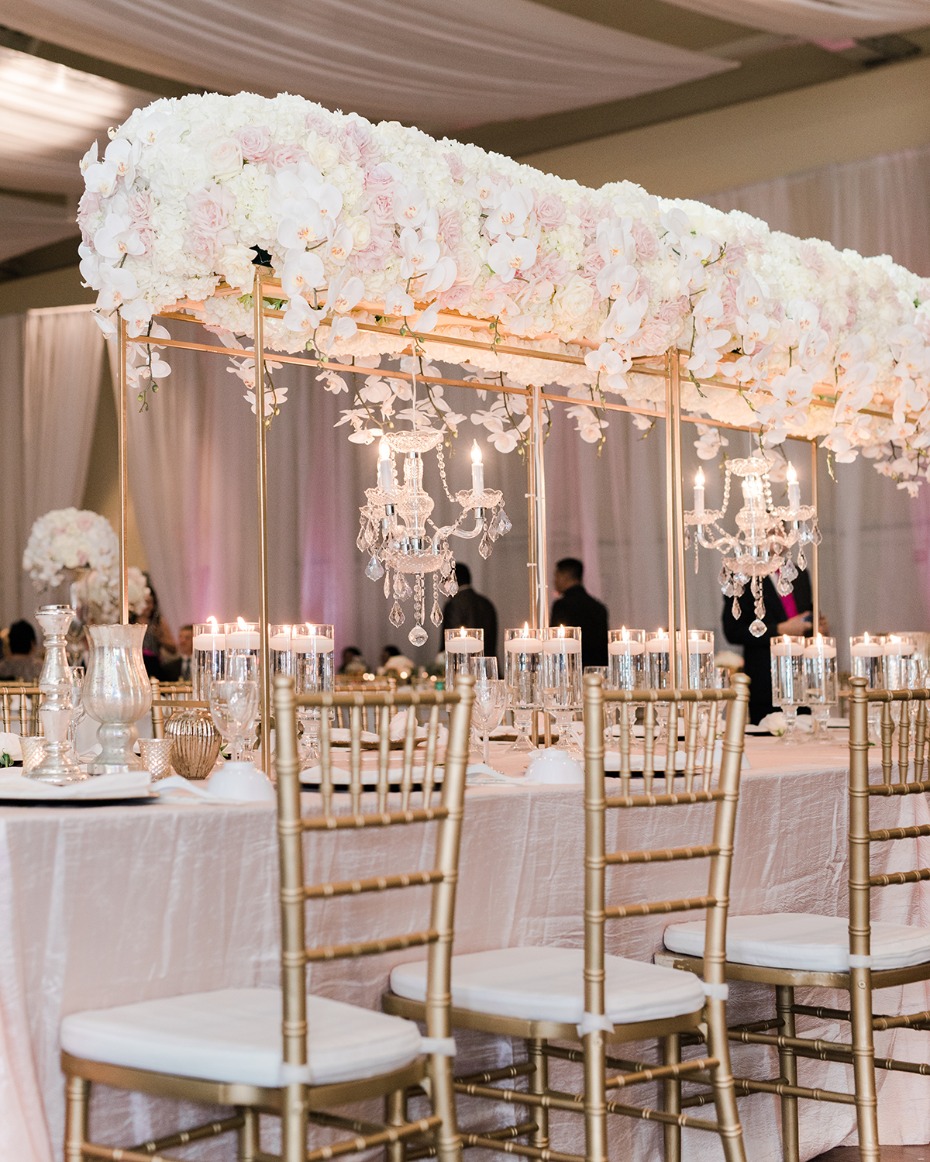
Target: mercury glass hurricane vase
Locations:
point(58, 765)
point(117, 692)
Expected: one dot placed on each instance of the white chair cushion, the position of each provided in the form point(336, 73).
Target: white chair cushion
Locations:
point(234, 1035)
point(546, 984)
point(801, 940)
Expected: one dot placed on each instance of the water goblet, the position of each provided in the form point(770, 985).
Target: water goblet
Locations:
point(562, 680)
point(788, 684)
point(490, 699)
point(820, 681)
point(523, 651)
point(234, 708)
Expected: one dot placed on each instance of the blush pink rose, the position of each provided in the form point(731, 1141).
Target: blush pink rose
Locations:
point(283, 156)
point(550, 211)
point(209, 209)
point(255, 142)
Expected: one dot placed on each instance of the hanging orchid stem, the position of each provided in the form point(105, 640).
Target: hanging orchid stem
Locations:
point(599, 412)
point(143, 396)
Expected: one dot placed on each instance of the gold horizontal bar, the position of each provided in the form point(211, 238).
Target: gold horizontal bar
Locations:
point(671, 799)
point(658, 1072)
point(196, 1134)
point(374, 884)
point(664, 855)
point(917, 876)
point(370, 947)
point(890, 833)
point(658, 908)
point(384, 819)
point(883, 790)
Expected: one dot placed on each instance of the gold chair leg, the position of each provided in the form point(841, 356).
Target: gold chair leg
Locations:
point(248, 1136)
point(448, 1140)
point(538, 1083)
point(860, 1003)
point(595, 1097)
point(294, 1125)
point(671, 1097)
point(395, 1114)
point(731, 1131)
point(77, 1101)
point(788, 1067)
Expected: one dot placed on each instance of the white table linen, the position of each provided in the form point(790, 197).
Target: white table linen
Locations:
point(104, 906)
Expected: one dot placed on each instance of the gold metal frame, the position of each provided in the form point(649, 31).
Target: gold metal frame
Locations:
point(667, 368)
point(419, 800)
point(698, 783)
point(905, 770)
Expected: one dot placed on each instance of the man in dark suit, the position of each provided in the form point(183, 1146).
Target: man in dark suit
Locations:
point(791, 615)
point(470, 609)
point(575, 606)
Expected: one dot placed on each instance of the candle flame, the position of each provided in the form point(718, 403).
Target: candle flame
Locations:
point(475, 453)
point(625, 634)
point(561, 631)
point(311, 629)
point(526, 629)
point(791, 475)
point(213, 622)
point(699, 478)
point(384, 449)
point(242, 623)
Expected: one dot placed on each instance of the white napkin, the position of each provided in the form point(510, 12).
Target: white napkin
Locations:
point(125, 785)
point(10, 744)
point(179, 790)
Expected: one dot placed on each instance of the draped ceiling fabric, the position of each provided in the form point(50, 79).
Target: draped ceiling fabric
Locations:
point(440, 66)
point(815, 19)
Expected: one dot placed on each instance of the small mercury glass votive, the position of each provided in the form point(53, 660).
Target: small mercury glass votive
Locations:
point(156, 756)
point(33, 748)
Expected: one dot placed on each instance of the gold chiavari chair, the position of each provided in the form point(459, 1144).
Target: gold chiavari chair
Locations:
point(550, 995)
point(856, 954)
point(19, 707)
point(167, 697)
point(282, 1051)
point(375, 685)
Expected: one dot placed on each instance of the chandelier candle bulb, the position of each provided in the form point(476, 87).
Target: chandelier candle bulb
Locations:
point(477, 468)
point(385, 475)
point(794, 489)
point(699, 493)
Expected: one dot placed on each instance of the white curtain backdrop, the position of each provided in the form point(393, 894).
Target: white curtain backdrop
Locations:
point(50, 363)
point(12, 532)
point(817, 18)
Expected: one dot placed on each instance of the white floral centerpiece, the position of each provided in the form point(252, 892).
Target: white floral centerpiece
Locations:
point(364, 223)
point(81, 547)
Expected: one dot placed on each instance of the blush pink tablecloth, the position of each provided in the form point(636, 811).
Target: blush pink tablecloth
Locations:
point(101, 906)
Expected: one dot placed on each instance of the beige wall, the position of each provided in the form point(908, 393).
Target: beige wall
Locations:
point(875, 112)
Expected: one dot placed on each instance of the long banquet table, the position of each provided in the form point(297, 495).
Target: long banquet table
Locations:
point(101, 906)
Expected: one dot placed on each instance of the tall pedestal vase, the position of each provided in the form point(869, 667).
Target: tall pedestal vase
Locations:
point(117, 692)
point(58, 765)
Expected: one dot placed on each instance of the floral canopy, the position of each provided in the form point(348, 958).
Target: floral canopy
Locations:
point(381, 237)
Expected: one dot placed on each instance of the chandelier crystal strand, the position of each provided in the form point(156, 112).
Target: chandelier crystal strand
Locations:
point(397, 531)
point(766, 535)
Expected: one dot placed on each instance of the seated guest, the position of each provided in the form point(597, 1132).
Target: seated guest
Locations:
point(179, 669)
point(352, 661)
point(159, 651)
point(22, 663)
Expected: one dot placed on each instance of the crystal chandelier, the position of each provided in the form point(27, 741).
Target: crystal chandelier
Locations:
point(400, 537)
point(765, 538)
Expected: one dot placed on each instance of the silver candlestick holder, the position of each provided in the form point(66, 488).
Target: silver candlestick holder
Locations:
point(59, 764)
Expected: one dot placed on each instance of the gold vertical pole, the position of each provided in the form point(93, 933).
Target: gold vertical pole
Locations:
point(815, 549)
point(539, 514)
point(122, 410)
point(679, 527)
point(671, 469)
point(532, 564)
point(262, 474)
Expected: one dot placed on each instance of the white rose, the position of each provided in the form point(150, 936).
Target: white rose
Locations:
point(577, 298)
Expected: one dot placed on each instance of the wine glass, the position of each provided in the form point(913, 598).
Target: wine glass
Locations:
point(234, 708)
point(490, 698)
point(788, 683)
